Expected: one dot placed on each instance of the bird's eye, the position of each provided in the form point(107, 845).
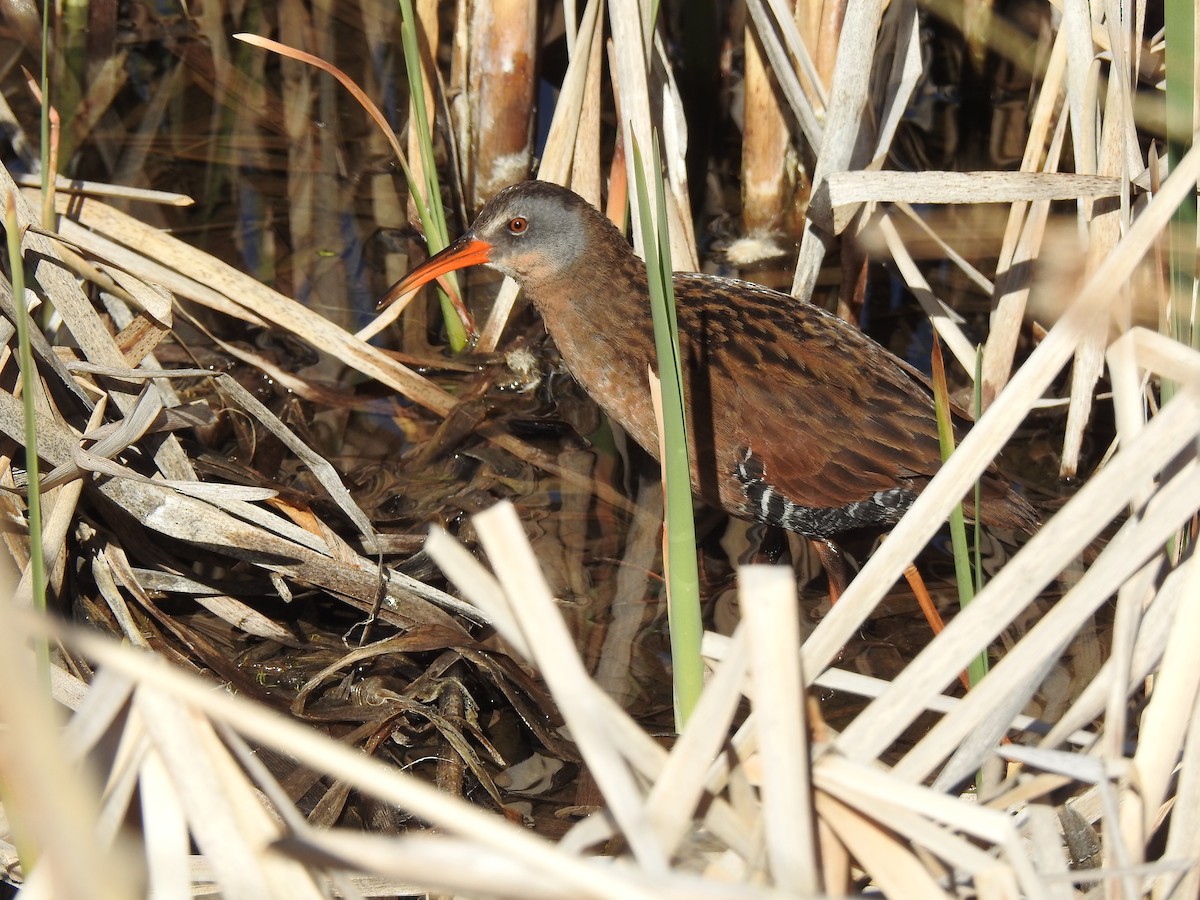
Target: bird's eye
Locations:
point(518, 225)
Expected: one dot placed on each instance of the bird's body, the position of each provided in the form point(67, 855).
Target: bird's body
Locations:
point(795, 417)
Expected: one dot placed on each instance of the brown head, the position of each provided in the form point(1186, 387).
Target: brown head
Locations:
point(535, 232)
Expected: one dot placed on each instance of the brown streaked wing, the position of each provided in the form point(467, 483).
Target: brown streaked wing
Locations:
point(838, 419)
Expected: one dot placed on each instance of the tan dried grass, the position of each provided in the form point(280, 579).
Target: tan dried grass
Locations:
point(779, 807)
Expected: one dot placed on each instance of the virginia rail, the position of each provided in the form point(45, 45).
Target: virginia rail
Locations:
point(796, 418)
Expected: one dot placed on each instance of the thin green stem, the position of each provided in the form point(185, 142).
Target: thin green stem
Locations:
point(37, 562)
point(679, 558)
point(976, 412)
point(1180, 62)
point(48, 177)
point(958, 529)
point(433, 218)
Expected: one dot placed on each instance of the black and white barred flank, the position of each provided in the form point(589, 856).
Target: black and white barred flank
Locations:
point(768, 505)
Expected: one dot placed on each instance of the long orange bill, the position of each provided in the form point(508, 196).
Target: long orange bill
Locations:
point(468, 250)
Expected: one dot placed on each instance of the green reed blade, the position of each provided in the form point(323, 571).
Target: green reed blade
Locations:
point(679, 559)
point(433, 217)
point(37, 562)
point(1180, 62)
point(958, 529)
point(976, 412)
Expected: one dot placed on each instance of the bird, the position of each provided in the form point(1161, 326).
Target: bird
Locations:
point(796, 418)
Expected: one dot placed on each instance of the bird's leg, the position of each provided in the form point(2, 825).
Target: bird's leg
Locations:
point(833, 561)
point(853, 290)
point(932, 616)
point(917, 583)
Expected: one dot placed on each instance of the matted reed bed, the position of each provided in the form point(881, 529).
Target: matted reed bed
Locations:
point(153, 743)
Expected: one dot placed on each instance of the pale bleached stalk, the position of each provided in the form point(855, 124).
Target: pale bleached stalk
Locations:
point(1022, 237)
point(848, 98)
point(997, 424)
point(635, 47)
point(806, 97)
point(553, 651)
point(768, 599)
point(502, 86)
point(51, 800)
point(769, 173)
point(258, 723)
point(1104, 230)
point(1013, 588)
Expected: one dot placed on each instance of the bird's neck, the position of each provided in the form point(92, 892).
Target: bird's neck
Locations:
point(601, 296)
point(599, 317)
